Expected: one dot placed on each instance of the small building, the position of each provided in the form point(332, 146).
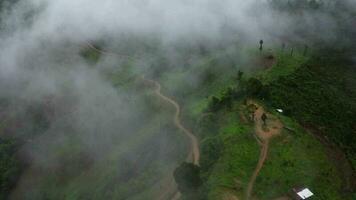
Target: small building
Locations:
point(302, 194)
point(279, 110)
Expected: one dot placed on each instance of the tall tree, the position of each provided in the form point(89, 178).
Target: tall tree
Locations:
point(187, 176)
point(261, 45)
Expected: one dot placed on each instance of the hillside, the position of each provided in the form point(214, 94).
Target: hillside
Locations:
point(177, 100)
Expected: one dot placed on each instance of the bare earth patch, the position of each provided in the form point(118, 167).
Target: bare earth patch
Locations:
point(264, 133)
point(229, 196)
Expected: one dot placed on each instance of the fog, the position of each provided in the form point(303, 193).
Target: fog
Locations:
point(41, 41)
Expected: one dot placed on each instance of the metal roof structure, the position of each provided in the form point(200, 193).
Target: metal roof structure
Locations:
point(305, 193)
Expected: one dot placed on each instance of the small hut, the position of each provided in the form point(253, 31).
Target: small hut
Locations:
point(302, 193)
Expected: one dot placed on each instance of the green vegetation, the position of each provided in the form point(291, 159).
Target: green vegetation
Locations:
point(131, 168)
point(316, 92)
point(285, 65)
point(214, 106)
point(236, 162)
point(187, 176)
point(17, 127)
point(321, 95)
point(90, 55)
point(10, 167)
point(295, 159)
point(46, 141)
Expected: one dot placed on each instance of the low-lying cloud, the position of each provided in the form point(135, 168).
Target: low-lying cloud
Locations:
point(41, 41)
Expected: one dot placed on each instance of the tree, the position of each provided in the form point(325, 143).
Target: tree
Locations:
point(313, 4)
point(283, 46)
point(305, 50)
point(187, 176)
point(214, 103)
point(239, 75)
point(210, 150)
point(292, 51)
point(261, 45)
point(10, 167)
point(209, 75)
point(228, 97)
point(255, 88)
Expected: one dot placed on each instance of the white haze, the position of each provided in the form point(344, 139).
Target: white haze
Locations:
point(41, 39)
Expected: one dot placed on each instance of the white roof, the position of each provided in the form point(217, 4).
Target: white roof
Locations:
point(304, 194)
point(279, 110)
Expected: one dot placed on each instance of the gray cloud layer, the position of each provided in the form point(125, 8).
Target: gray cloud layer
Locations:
point(40, 41)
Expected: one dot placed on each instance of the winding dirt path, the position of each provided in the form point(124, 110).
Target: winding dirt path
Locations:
point(88, 44)
point(194, 152)
point(263, 156)
point(229, 196)
point(264, 133)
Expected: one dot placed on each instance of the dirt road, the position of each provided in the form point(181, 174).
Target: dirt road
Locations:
point(106, 52)
point(194, 152)
point(229, 196)
point(263, 156)
point(264, 133)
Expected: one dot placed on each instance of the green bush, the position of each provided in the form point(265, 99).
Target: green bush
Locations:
point(10, 167)
point(187, 176)
point(321, 95)
point(211, 150)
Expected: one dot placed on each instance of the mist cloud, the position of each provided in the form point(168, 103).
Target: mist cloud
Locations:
point(41, 41)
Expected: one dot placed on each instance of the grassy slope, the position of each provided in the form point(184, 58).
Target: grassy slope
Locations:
point(321, 94)
point(237, 160)
point(295, 158)
point(192, 86)
point(285, 65)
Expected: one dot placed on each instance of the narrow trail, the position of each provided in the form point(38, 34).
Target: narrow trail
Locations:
point(264, 133)
point(88, 44)
point(194, 152)
point(263, 156)
point(229, 196)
